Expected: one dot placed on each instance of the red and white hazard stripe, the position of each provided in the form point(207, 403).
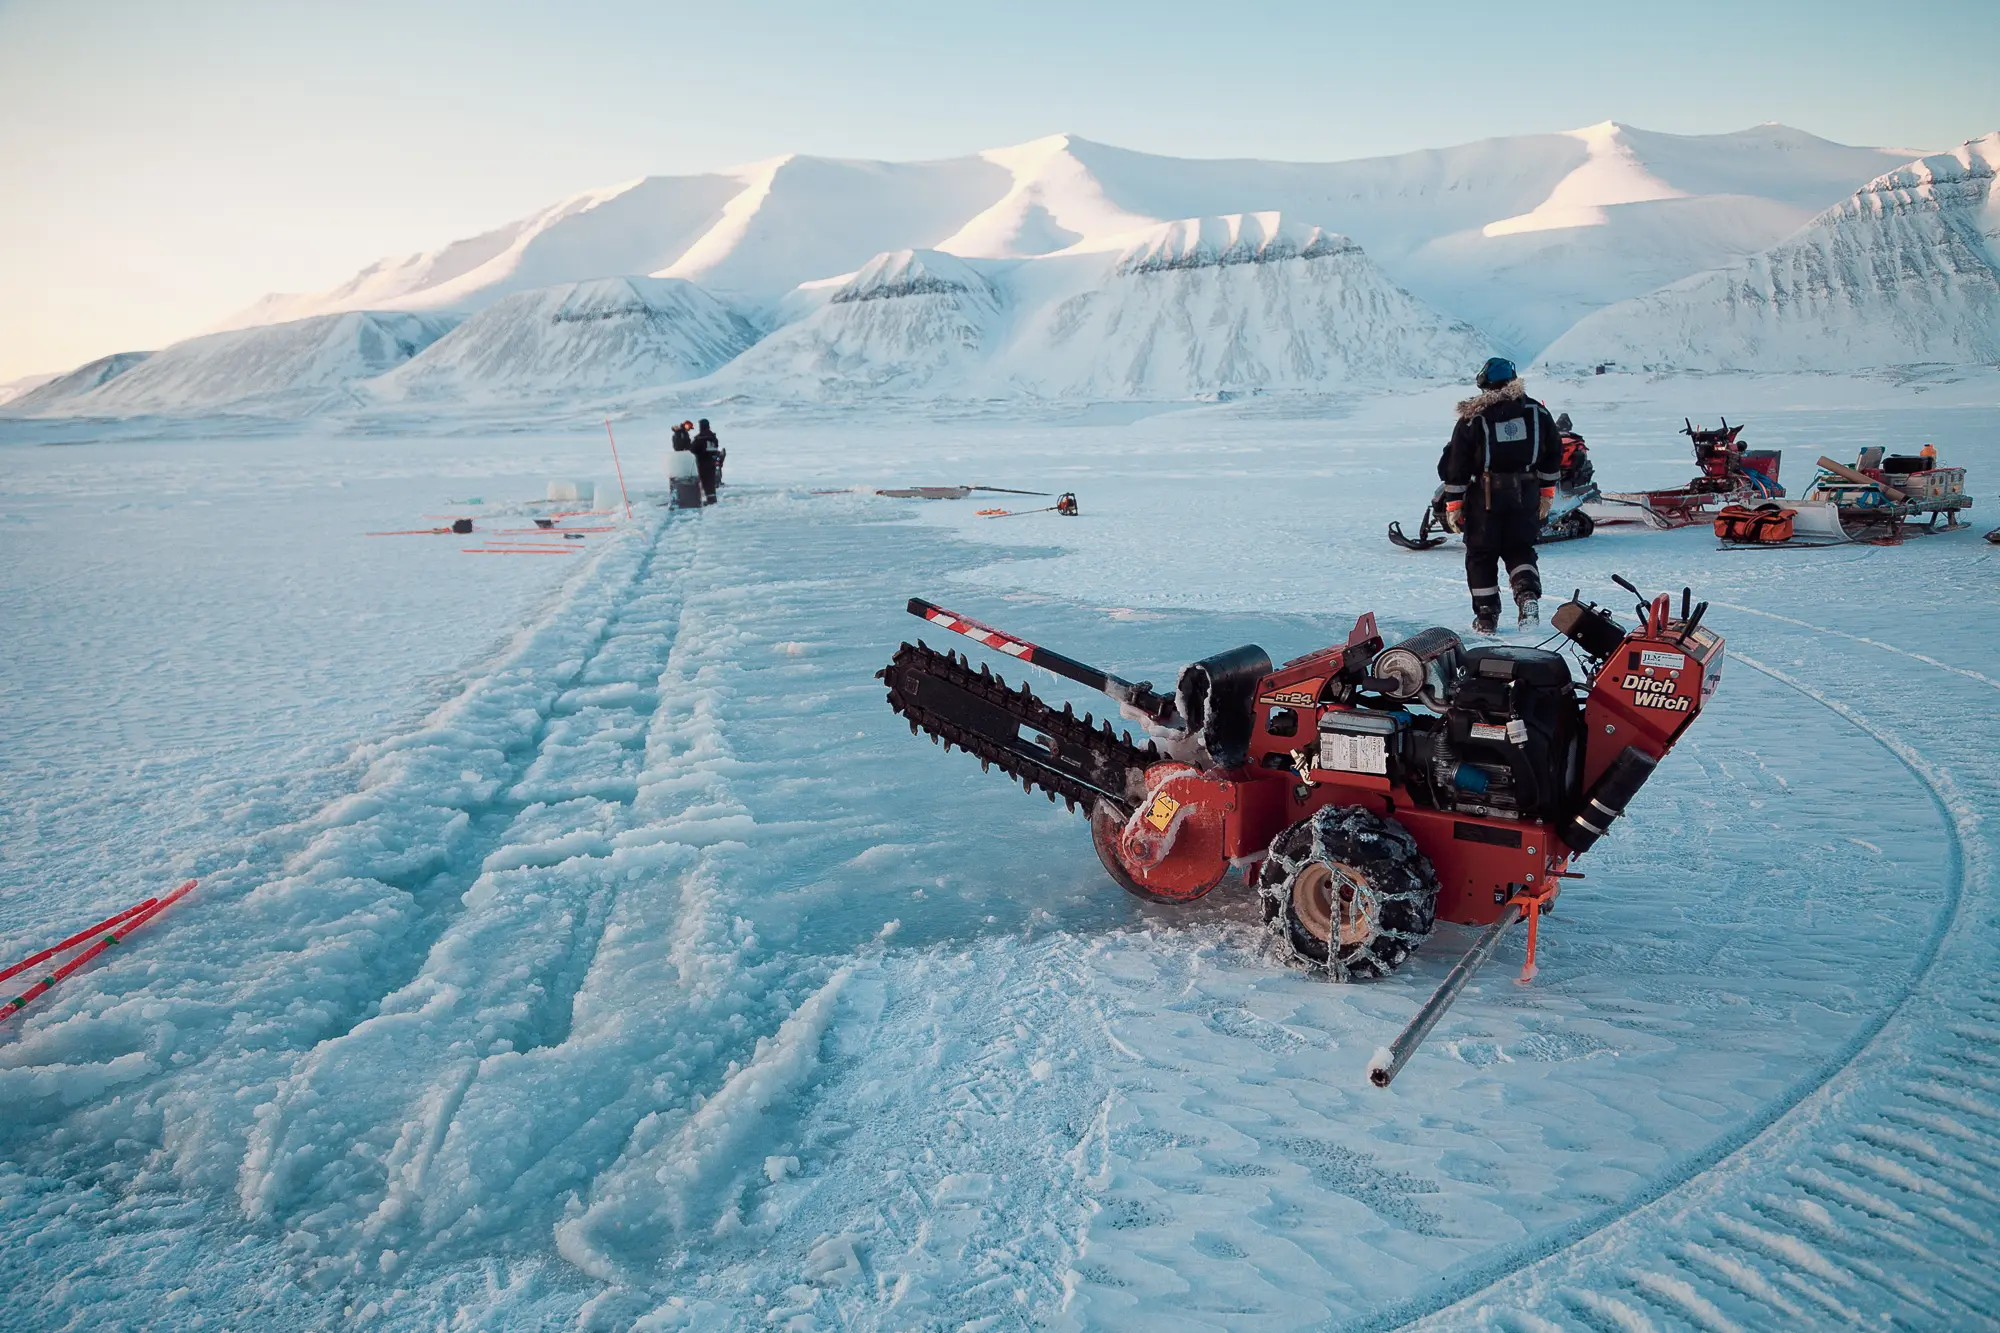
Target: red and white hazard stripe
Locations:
point(979, 633)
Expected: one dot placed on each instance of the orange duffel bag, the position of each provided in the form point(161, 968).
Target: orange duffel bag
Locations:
point(1767, 524)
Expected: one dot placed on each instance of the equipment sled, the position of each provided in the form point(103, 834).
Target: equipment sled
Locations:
point(1880, 500)
point(1731, 474)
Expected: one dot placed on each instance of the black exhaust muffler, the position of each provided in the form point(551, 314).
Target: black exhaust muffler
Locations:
point(1608, 799)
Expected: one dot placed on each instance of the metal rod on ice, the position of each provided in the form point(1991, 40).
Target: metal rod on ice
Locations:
point(1382, 1072)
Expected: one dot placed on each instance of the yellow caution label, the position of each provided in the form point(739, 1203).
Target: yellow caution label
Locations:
point(1162, 812)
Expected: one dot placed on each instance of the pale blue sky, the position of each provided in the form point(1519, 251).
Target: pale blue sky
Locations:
point(162, 164)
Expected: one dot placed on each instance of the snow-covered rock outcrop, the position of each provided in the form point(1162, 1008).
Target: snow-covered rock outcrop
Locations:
point(910, 321)
point(1239, 302)
point(1905, 271)
point(1205, 305)
point(284, 367)
point(53, 395)
point(606, 333)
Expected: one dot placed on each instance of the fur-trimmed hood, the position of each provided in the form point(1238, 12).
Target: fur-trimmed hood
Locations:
point(1512, 391)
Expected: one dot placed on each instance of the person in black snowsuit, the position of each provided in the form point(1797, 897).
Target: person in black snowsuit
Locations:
point(686, 442)
point(1499, 473)
point(708, 448)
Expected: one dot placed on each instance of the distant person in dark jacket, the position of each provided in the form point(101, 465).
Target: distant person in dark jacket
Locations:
point(710, 446)
point(684, 443)
point(1500, 472)
point(704, 456)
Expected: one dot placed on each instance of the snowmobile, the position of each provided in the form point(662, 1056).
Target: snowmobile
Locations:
point(1567, 520)
point(1731, 473)
point(1366, 789)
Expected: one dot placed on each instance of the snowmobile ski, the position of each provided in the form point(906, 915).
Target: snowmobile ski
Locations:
point(1055, 751)
point(1423, 542)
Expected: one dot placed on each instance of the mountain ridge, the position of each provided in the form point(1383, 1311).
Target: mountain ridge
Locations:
point(752, 234)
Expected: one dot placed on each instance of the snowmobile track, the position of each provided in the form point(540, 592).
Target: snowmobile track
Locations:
point(1790, 1119)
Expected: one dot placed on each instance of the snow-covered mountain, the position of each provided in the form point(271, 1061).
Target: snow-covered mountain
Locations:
point(54, 392)
point(291, 366)
point(1063, 267)
point(605, 333)
point(1519, 235)
point(754, 232)
point(1238, 302)
point(1904, 271)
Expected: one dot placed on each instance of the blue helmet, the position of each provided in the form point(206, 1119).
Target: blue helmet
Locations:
point(1496, 372)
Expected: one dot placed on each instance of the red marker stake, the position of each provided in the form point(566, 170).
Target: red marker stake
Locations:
point(621, 469)
point(76, 939)
point(21, 1001)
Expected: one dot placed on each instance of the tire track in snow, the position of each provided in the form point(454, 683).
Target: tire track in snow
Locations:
point(1790, 1123)
point(318, 924)
point(364, 1116)
point(1872, 643)
point(943, 1173)
point(681, 994)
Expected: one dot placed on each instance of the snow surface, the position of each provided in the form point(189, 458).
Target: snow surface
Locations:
point(1905, 271)
point(1612, 174)
point(581, 943)
point(628, 332)
point(288, 368)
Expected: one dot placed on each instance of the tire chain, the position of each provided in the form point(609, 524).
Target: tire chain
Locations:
point(1274, 882)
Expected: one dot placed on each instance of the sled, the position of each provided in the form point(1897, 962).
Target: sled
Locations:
point(1731, 474)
